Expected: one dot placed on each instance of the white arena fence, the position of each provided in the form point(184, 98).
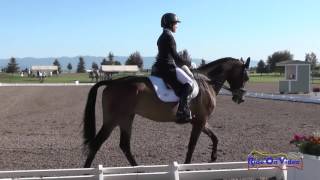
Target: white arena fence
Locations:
point(281, 97)
point(174, 171)
point(76, 83)
point(293, 98)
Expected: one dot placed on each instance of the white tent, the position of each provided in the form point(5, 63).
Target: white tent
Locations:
point(44, 68)
point(119, 68)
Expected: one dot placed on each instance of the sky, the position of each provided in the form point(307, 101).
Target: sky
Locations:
point(209, 29)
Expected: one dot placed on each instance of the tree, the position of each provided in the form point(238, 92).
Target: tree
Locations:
point(203, 62)
point(117, 63)
point(104, 62)
point(110, 60)
point(81, 66)
point(94, 66)
point(135, 59)
point(12, 66)
point(110, 56)
point(312, 59)
point(261, 67)
point(56, 63)
point(186, 57)
point(69, 67)
point(278, 57)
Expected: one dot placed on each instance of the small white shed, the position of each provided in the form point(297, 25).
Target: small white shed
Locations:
point(297, 77)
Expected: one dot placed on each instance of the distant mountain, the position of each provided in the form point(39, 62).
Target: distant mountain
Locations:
point(27, 62)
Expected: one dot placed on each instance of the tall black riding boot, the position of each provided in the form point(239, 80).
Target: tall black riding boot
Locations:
point(184, 113)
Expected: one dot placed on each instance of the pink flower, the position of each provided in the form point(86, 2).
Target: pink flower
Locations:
point(298, 137)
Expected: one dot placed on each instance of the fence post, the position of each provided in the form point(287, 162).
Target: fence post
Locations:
point(284, 172)
point(100, 171)
point(174, 171)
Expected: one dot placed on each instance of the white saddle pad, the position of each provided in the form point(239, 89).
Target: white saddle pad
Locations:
point(168, 95)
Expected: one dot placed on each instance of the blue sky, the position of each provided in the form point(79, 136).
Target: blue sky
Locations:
point(210, 29)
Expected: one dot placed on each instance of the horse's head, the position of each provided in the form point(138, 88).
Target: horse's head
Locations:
point(233, 71)
point(237, 77)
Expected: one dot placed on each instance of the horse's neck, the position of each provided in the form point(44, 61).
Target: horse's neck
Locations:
point(219, 78)
point(218, 85)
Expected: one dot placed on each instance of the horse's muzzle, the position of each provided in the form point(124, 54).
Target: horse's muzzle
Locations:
point(238, 95)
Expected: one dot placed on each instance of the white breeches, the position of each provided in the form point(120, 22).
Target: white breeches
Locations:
point(183, 77)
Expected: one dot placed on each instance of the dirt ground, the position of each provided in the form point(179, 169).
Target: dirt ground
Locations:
point(40, 127)
point(268, 87)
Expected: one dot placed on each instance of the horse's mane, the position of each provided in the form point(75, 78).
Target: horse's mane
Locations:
point(202, 80)
point(205, 89)
point(216, 62)
point(207, 92)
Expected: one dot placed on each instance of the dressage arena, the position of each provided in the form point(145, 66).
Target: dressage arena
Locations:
point(41, 128)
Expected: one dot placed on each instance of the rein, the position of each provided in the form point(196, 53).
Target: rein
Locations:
point(212, 82)
point(222, 85)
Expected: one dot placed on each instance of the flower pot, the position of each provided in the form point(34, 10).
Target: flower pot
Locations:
point(310, 171)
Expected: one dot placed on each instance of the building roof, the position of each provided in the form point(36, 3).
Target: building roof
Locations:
point(119, 68)
point(291, 62)
point(44, 68)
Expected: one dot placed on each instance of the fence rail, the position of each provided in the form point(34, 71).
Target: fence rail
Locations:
point(174, 171)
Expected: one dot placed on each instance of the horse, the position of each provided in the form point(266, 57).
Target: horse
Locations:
point(94, 75)
point(141, 99)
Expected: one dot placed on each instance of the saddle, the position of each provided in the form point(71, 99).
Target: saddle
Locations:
point(163, 90)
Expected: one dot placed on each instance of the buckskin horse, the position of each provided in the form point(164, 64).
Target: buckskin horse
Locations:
point(140, 98)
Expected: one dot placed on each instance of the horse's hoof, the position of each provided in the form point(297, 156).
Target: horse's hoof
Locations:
point(213, 158)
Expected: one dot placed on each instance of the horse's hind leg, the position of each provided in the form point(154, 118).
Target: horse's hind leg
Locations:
point(208, 131)
point(95, 145)
point(125, 136)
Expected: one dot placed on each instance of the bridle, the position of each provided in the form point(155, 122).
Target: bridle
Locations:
point(222, 85)
point(218, 84)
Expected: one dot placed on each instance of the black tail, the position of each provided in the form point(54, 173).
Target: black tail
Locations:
point(89, 120)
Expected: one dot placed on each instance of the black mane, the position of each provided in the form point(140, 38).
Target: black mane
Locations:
point(218, 61)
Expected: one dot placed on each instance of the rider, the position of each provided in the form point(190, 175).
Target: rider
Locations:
point(168, 64)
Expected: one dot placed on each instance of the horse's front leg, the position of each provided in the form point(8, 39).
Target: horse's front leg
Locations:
point(195, 133)
point(208, 131)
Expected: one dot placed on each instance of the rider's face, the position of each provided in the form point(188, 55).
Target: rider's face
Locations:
point(174, 27)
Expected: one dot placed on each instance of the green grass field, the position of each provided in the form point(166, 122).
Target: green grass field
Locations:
point(62, 78)
point(273, 77)
point(84, 78)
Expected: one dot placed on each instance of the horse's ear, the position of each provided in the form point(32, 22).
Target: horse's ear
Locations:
point(241, 60)
point(247, 63)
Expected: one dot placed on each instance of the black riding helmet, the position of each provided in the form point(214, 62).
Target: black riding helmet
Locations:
point(168, 20)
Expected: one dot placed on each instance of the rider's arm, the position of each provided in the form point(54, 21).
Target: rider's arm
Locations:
point(173, 51)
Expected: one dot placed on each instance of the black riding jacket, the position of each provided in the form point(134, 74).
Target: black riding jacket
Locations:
point(167, 50)
point(167, 61)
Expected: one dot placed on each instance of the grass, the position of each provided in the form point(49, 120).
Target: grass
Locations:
point(316, 81)
point(265, 77)
point(84, 78)
point(274, 78)
point(62, 78)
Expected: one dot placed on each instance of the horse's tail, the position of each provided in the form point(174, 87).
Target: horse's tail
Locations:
point(89, 119)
